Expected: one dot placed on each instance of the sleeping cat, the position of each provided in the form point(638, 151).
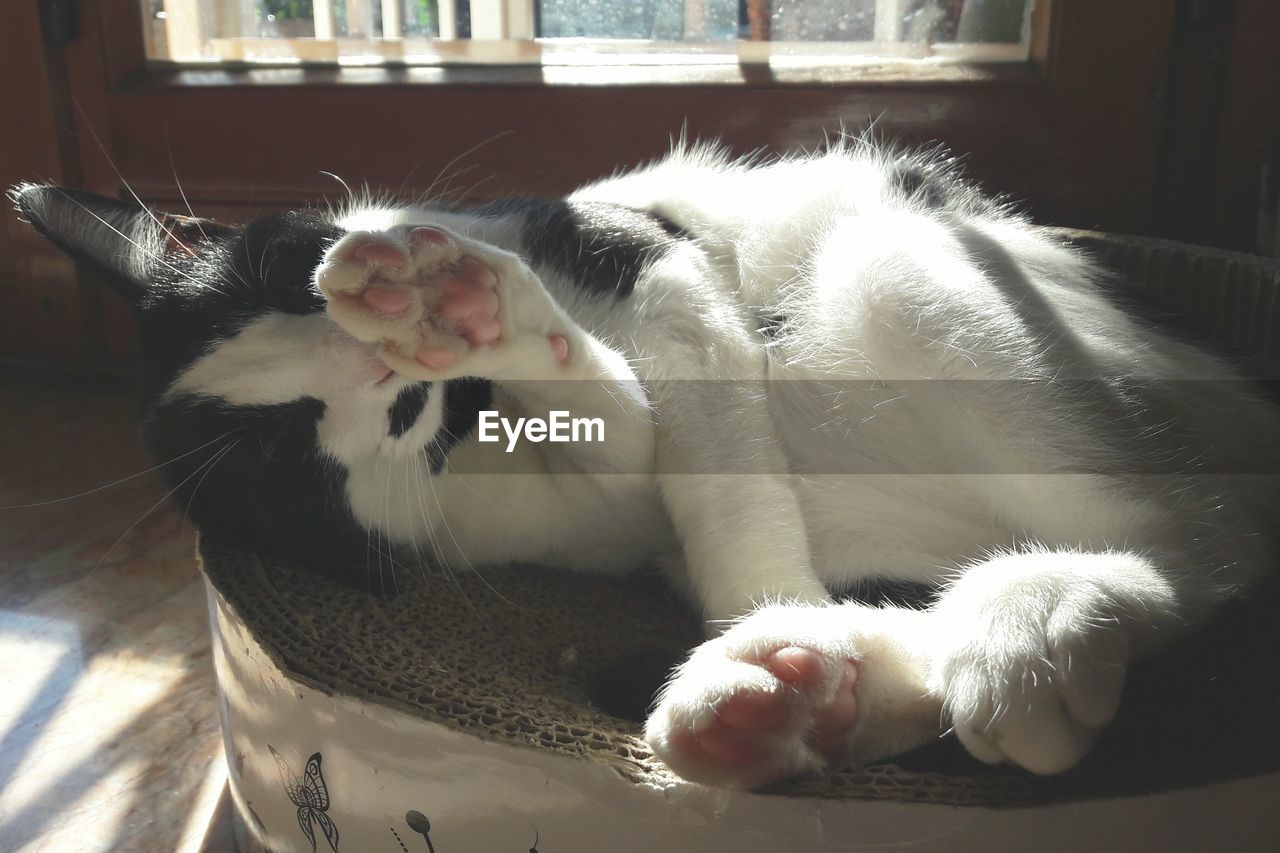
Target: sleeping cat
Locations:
point(810, 372)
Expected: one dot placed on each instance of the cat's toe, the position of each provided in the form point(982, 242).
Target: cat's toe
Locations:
point(753, 711)
point(369, 288)
point(426, 235)
point(1042, 707)
point(387, 301)
point(833, 724)
point(377, 252)
point(467, 302)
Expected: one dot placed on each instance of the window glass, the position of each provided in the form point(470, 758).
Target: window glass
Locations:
point(431, 31)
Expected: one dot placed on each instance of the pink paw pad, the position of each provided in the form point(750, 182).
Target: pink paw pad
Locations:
point(796, 666)
point(435, 358)
point(386, 301)
point(831, 727)
point(469, 303)
point(723, 746)
point(382, 254)
point(425, 235)
point(739, 736)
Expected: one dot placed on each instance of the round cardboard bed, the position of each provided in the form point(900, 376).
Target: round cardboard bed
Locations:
point(499, 710)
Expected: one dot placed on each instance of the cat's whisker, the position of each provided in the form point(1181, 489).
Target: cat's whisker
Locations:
point(212, 460)
point(431, 194)
point(386, 514)
point(262, 260)
point(368, 548)
point(463, 192)
point(471, 190)
point(191, 499)
point(413, 536)
point(468, 152)
point(445, 565)
point(88, 124)
point(377, 528)
point(400, 192)
point(133, 476)
point(183, 193)
point(458, 547)
point(438, 549)
point(145, 251)
point(350, 194)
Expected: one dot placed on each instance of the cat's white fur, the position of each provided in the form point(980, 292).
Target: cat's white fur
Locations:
point(1053, 576)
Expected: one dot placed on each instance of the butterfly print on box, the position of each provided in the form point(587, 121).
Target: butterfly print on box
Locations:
point(311, 796)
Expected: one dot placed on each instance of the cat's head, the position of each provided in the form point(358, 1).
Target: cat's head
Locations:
point(269, 422)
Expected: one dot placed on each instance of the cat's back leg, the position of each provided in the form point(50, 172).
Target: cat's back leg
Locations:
point(892, 294)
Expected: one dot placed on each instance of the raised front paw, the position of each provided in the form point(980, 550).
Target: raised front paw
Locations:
point(1036, 694)
point(441, 305)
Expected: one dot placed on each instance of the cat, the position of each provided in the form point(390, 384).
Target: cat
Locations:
point(810, 371)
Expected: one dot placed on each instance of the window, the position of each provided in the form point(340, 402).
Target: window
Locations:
point(584, 32)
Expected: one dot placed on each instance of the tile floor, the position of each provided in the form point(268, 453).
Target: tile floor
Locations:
point(109, 734)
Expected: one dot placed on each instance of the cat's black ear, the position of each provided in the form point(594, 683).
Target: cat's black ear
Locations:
point(130, 245)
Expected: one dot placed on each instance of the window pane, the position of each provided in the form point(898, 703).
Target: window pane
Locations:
point(655, 20)
point(551, 31)
point(421, 19)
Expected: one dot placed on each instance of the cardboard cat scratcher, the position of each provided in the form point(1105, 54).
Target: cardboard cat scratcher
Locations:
point(500, 712)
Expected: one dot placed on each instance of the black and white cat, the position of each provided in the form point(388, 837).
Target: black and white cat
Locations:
point(810, 372)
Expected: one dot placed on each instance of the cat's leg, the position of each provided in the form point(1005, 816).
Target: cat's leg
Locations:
point(1032, 647)
point(1024, 655)
point(795, 688)
point(720, 465)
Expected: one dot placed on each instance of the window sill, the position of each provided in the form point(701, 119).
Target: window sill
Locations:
point(874, 72)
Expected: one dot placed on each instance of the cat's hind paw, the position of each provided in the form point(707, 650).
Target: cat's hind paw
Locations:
point(1032, 666)
point(1040, 705)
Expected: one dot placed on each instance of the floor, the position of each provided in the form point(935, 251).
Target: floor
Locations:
point(109, 733)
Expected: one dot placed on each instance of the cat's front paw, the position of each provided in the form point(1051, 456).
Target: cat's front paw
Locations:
point(441, 305)
point(1036, 694)
point(750, 719)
